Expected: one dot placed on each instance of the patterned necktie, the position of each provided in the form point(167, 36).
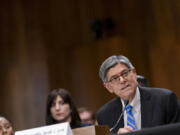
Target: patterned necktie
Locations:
point(130, 117)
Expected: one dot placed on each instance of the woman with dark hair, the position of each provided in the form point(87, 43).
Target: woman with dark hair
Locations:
point(60, 108)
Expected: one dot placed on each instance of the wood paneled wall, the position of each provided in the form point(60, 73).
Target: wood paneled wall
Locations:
point(49, 44)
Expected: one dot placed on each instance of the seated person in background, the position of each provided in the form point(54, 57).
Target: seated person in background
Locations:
point(5, 127)
point(86, 115)
point(60, 108)
point(135, 107)
point(142, 81)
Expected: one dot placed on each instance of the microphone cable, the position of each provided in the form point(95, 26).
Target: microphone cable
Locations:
point(125, 104)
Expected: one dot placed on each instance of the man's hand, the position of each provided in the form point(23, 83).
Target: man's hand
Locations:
point(126, 129)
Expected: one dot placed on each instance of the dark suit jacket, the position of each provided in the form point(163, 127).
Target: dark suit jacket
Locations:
point(158, 107)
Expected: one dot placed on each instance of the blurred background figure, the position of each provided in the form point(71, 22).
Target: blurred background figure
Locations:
point(142, 81)
point(86, 115)
point(5, 127)
point(60, 108)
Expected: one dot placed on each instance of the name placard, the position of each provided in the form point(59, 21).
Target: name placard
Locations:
point(56, 129)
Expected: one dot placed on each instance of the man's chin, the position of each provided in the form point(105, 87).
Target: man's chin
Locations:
point(125, 95)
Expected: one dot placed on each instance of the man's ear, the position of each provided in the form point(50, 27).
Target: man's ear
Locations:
point(108, 87)
point(134, 70)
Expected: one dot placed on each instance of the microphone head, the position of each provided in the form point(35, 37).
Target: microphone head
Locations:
point(126, 101)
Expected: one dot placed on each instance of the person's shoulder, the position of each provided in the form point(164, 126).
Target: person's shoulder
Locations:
point(106, 113)
point(80, 125)
point(85, 124)
point(156, 91)
point(114, 103)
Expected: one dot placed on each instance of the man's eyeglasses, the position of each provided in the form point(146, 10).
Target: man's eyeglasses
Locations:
point(123, 74)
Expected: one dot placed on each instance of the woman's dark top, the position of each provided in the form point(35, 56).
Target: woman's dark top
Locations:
point(79, 126)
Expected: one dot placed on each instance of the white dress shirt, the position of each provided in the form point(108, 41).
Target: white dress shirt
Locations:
point(136, 110)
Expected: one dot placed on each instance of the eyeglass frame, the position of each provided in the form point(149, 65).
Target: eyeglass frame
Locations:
point(116, 78)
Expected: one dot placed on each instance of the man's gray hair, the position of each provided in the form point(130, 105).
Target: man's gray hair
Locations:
point(111, 62)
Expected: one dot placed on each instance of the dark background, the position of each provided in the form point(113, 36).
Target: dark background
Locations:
point(47, 44)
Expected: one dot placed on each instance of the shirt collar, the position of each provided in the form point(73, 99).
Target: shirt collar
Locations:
point(136, 100)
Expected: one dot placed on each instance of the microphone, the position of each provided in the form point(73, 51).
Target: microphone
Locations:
point(126, 101)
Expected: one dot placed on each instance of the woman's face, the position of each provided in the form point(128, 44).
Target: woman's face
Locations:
point(5, 127)
point(60, 111)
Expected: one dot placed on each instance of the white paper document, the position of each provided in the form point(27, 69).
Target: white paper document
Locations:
point(56, 129)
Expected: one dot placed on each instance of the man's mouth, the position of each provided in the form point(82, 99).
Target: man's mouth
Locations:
point(123, 88)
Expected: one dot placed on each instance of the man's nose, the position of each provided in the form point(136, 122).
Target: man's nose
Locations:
point(4, 130)
point(121, 79)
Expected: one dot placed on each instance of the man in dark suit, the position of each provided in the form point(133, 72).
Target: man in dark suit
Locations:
point(150, 106)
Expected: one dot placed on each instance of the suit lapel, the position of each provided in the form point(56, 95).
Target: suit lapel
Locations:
point(121, 122)
point(146, 108)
